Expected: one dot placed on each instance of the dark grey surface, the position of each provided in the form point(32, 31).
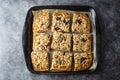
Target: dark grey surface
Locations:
point(12, 17)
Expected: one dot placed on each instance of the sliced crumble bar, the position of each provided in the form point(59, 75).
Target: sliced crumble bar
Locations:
point(82, 61)
point(41, 42)
point(80, 23)
point(82, 42)
point(61, 22)
point(61, 61)
point(61, 41)
point(40, 61)
point(41, 22)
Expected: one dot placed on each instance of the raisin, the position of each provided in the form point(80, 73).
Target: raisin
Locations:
point(83, 40)
point(64, 53)
point(87, 15)
point(57, 28)
point(66, 22)
point(64, 38)
point(78, 21)
point(41, 24)
point(60, 61)
point(58, 18)
point(60, 40)
point(82, 59)
point(38, 42)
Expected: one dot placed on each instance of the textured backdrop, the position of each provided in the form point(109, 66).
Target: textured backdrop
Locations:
point(12, 62)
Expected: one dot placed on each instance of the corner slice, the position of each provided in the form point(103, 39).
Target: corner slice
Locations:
point(61, 22)
point(82, 42)
point(61, 41)
point(80, 23)
point(61, 61)
point(41, 21)
point(40, 61)
point(82, 61)
point(41, 42)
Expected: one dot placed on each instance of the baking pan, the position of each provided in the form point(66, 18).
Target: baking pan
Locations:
point(27, 36)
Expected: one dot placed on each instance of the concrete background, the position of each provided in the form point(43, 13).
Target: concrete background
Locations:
point(12, 62)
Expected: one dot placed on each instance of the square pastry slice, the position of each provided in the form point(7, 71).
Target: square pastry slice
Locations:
point(41, 21)
point(41, 41)
point(82, 61)
point(61, 22)
point(82, 42)
point(80, 23)
point(40, 61)
point(61, 41)
point(61, 61)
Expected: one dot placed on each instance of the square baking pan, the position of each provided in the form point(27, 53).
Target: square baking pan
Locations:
point(27, 36)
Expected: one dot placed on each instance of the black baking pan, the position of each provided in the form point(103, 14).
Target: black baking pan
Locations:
point(27, 36)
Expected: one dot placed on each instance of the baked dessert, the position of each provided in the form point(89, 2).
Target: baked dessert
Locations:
point(61, 61)
point(41, 41)
point(68, 34)
point(61, 41)
point(40, 61)
point(82, 61)
point(41, 21)
point(82, 42)
point(80, 23)
point(61, 22)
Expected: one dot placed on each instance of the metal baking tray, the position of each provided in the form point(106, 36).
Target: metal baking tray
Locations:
point(27, 35)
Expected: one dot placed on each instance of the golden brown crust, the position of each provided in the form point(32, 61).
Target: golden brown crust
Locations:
point(82, 61)
point(41, 22)
point(80, 23)
point(61, 61)
point(61, 41)
point(61, 22)
point(82, 42)
point(40, 61)
point(41, 41)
